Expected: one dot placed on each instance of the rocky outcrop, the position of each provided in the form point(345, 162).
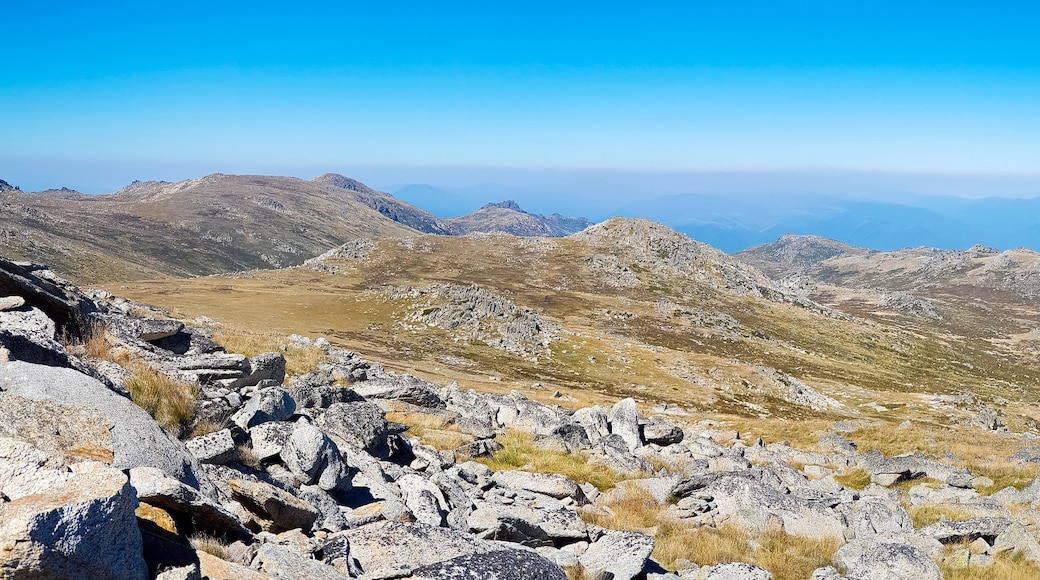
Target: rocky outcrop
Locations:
point(309, 479)
point(476, 314)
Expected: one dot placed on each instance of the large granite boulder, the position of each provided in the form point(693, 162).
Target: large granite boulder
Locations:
point(83, 527)
point(68, 414)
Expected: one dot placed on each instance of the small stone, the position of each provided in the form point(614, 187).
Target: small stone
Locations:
point(11, 302)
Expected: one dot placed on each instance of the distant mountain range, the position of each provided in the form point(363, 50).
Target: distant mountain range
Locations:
point(734, 223)
point(221, 223)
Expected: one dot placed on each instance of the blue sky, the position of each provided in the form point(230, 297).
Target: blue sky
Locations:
point(94, 95)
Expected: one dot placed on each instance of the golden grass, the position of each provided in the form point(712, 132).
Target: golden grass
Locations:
point(298, 360)
point(519, 451)
point(1006, 567)
point(857, 478)
point(171, 403)
point(1006, 475)
point(211, 545)
point(431, 429)
point(632, 509)
point(786, 556)
point(925, 515)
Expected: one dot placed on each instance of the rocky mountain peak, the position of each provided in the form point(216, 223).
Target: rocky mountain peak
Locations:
point(5, 186)
point(343, 182)
point(507, 204)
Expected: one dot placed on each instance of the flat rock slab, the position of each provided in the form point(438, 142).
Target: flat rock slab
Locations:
point(617, 555)
point(278, 562)
point(384, 547)
point(498, 565)
point(217, 448)
point(889, 560)
point(550, 484)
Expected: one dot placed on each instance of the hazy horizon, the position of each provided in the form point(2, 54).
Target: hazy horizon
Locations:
point(533, 95)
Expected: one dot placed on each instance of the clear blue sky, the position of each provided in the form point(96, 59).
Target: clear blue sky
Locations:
point(95, 94)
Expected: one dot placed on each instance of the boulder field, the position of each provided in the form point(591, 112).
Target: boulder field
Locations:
point(304, 476)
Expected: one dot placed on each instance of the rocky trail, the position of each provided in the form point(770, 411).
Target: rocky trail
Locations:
point(266, 475)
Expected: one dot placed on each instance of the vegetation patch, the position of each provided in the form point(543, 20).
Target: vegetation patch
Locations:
point(520, 451)
point(298, 359)
point(169, 402)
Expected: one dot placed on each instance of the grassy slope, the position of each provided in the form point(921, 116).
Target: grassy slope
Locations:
point(618, 342)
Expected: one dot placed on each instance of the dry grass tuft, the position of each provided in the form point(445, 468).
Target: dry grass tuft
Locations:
point(857, 478)
point(248, 457)
point(211, 545)
point(519, 451)
point(171, 403)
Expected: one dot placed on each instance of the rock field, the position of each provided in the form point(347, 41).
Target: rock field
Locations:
point(304, 477)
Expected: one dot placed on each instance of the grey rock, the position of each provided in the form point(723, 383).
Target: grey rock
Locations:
point(276, 510)
point(753, 499)
point(424, 499)
point(496, 565)
point(382, 547)
point(84, 528)
point(152, 329)
point(191, 572)
point(279, 562)
point(11, 303)
point(617, 555)
point(268, 404)
point(211, 367)
point(322, 396)
point(331, 517)
point(1016, 539)
point(154, 487)
point(314, 458)
point(405, 388)
point(477, 449)
point(875, 516)
point(28, 335)
point(550, 484)
point(530, 519)
point(72, 312)
point(570, 436)
point(624, 421)
point(217, 448)
point(594, 420)
point(57, 409)
point(967, 531)
point(270, 438)
point(826, 573)
point(25, 470)
point(362, 425)
point(617, 455)
point(662, 432)
point(868, 560)
point(266, 366)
